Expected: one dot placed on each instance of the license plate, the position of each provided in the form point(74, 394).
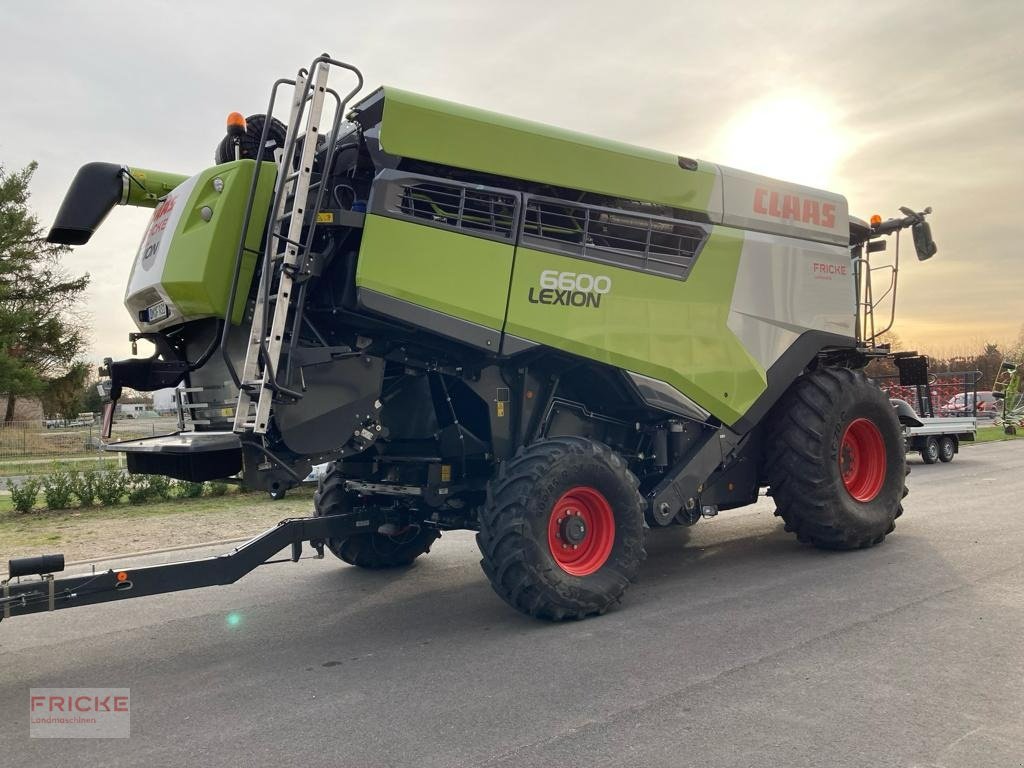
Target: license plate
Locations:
point(156, 312)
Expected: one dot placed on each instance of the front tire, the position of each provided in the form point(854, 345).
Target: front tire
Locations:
point(561, 532)
point(371, 550)
point(930, 450)
point(835, 461)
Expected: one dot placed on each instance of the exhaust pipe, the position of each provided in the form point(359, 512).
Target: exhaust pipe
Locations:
point(97, 188)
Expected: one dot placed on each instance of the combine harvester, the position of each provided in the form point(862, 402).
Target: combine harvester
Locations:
point(483, 323)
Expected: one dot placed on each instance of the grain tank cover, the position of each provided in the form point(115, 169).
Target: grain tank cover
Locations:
point(410, 125)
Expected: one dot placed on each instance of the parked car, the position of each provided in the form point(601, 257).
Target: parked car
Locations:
point(982, 404)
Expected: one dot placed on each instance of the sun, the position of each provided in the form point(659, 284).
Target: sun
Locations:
point(792, 137)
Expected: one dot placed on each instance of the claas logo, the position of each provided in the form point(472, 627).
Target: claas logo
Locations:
point(161, 214)
point(794, 208)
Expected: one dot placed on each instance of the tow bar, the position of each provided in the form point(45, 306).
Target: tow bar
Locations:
point(50, 594)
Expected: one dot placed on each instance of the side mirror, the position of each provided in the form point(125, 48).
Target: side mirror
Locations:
point(923, 243)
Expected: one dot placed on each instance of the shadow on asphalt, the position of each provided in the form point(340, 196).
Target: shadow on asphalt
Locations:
point(455, 599)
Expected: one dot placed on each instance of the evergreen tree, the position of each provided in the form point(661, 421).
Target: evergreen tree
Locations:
point(65, 395)
point(41, 329)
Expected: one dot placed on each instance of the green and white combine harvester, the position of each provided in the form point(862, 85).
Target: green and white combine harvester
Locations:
point(484, 323)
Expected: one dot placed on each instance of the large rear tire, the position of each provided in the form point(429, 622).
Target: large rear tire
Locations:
point(835, 460)
point(371, 550)
point(561, 532)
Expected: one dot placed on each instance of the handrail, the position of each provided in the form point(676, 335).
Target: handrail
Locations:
point(279, 200)
point(247, 217)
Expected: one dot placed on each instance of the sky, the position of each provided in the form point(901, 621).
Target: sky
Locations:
point(888, 103)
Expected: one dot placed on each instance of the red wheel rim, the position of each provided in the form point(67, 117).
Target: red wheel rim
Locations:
point(862, 459)
point(581, 531)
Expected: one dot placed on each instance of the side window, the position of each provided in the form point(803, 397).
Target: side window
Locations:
point(469, 208)
point(648, 243)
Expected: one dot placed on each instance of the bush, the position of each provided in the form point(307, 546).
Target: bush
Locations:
point(143, 488)
point(57, 489)
point(185, 489)
point(159, 487)
point(83, 485)
point(24, 494)
point(111, 486)
point(138, 489)
point(217, 488)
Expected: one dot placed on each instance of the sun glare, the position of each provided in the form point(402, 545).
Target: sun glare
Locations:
point(790, 137)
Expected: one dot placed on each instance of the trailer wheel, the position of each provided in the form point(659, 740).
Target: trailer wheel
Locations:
point(930, 450)
point(835, 461)
point(561, 531)
point(372, 550)
point(947, 449)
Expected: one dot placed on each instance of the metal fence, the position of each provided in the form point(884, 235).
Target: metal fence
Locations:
point(947, 394)
point(36, 440)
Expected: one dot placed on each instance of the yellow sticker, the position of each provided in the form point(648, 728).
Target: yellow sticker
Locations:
point(501, 409)
point(325, 217)
point(446, 473)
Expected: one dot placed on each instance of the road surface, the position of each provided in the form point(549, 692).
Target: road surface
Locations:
point(739, 647)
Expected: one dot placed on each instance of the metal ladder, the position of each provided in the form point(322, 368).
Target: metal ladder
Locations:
point(258, 381)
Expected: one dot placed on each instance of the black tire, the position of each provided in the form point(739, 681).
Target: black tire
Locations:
point(375, 551)
point(816, 425)
point(930, 450)
point(277, 493)
point(947, 449)
point(556, 491)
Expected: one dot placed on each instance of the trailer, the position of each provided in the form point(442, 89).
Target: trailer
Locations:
point(561, 343)
point(937, 416)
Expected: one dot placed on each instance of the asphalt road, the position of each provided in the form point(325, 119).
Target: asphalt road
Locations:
point(739, 647)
